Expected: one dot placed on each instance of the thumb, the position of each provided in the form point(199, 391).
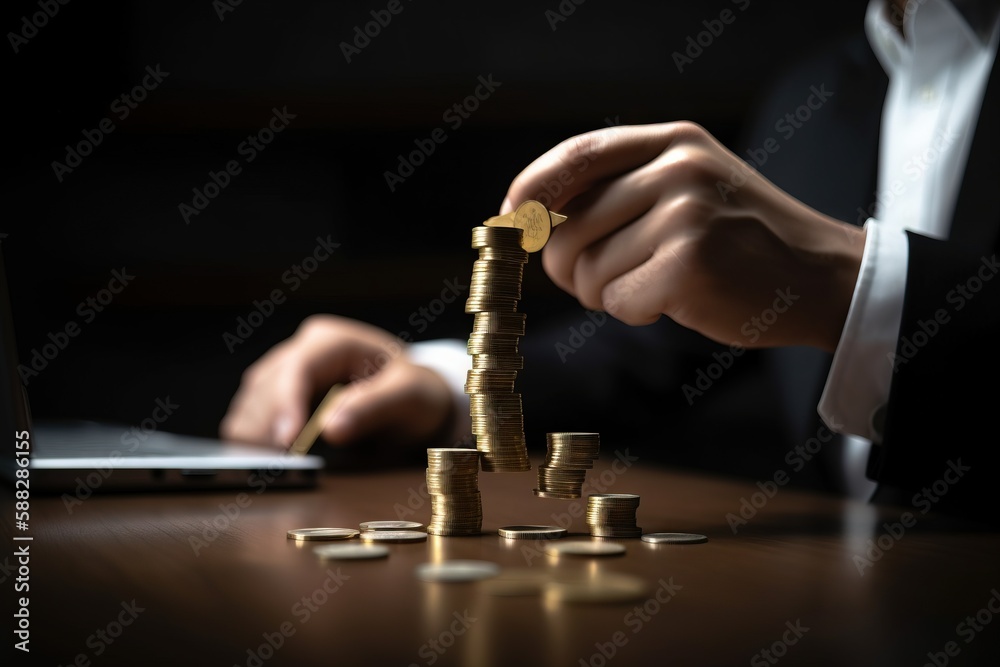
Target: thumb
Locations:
point(408, 402)
point(294, 389)
point(288, 424)
point(364, 407)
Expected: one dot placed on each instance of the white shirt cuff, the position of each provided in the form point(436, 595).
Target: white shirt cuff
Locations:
point(451, 360)
point(858, 384)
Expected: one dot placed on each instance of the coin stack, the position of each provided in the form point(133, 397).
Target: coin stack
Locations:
point(613, 515)
point(496, 411)
point(569, 457)
point(453, 485)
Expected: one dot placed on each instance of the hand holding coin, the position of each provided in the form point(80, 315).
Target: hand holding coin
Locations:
point(533, 219)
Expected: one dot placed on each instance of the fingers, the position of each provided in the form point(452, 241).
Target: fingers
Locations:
point(333, 349)
point(406, 402)
point(578, 164)
point(611, 257)
point(644, 293)
point(600, 215)
point(270, 405)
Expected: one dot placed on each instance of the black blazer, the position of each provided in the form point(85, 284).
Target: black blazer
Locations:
point(938, 426)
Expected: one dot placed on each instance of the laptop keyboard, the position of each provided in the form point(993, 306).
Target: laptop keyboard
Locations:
point(93, 441)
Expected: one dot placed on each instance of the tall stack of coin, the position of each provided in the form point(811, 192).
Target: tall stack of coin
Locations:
point(496, 411)
point(613, 515)
point(567, 460)
point(453, 485)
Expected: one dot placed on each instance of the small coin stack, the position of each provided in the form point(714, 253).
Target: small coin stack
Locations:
point(569, 457)
point(496, 411)
point(613, 515)
point(453, 485)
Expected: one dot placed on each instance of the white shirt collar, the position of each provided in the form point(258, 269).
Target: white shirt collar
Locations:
point(928, 24)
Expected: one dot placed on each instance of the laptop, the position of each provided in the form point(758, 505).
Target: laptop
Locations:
point(82, 458)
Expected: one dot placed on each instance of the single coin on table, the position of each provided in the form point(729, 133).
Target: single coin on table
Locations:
point(457, 570)
point(584, 548)
point(391, 525)
point(303, 534)
point(531, 532)
point(674, 538)
point(606, 587)
point(351, 551)
point(517, 582)
point(393, 536)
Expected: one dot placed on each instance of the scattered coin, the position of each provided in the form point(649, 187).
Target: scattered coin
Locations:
point(531, 532)
point(584, 548)
point(302, 534)
point(605, 587)
point(457, 570)
point(391, 525)
point(674, 538)
point(351, 551)
point(516, 582)
point(394, 536)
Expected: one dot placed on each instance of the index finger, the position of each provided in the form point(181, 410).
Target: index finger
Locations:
point(581, 162)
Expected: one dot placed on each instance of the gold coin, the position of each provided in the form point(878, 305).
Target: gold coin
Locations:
point(304, 534)
point(584, 548)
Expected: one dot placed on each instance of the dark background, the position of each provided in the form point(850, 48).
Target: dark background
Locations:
point(162, 336)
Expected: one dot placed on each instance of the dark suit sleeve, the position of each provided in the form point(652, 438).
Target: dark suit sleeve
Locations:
point(940, 420)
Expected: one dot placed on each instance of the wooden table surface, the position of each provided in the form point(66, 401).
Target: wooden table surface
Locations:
point(210, 579)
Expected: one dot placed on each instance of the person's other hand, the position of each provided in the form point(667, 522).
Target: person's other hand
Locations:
point(664, 220)
point(388, 396)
